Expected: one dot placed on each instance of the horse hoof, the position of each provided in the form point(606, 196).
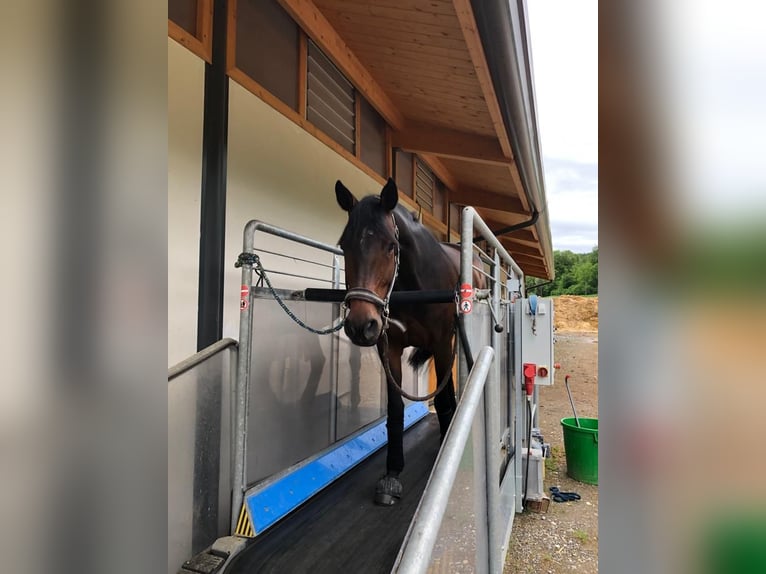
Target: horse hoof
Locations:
point(388, 489)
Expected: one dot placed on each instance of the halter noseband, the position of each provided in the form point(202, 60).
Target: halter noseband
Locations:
point(362, 294)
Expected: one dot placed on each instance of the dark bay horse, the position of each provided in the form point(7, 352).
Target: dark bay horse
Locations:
point(386, 249)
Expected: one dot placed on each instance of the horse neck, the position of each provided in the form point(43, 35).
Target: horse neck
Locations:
point(422, 263)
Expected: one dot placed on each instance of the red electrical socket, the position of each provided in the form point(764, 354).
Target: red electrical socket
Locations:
point(530, 371)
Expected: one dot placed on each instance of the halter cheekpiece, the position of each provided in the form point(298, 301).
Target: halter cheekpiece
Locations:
point(362, 294)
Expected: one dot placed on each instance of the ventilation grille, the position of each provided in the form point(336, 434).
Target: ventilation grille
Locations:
point(330, 99)
point(424, 187)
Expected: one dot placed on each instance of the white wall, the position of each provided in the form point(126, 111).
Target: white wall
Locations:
point(186, 73)
point(277, 173)
point(280, 174)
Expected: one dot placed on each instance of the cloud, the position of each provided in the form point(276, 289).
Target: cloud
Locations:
point(564, 38)
point(572, 194)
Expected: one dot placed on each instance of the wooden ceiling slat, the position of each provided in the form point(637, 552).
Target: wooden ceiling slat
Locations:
point(427, 6)
point(412, 58)
point(407, 50)
point(344, 21)
point(384, 14)
point(401, 38)
point(434, 78)
point(490, 177)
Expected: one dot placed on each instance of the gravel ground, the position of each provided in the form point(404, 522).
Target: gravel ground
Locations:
point(565, 539)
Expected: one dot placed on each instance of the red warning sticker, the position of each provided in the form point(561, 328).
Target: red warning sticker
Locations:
point(244, 297)
point(466, 291)
point(466, 306)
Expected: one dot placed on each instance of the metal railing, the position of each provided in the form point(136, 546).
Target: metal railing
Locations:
point(415, 554)
point(199, 430)
point(245, 344)
point(494, 495)
point(498, 514)
point(200, 357)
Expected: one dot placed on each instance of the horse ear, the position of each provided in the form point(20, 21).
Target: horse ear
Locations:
point(345, 198)
point(389, 196)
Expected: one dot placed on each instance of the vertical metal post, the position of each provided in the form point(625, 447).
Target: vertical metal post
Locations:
point(212, 241)
point(213, 196)
point(466, 277)
point(492, 435)
point(334, 355)
point(243, 381)
point(518, 402)
point(480, 484)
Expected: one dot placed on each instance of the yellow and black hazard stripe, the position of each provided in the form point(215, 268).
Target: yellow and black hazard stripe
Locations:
point(244, 525)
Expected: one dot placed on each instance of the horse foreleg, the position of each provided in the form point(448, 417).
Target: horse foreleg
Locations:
point(389, 488)
point(444, 402)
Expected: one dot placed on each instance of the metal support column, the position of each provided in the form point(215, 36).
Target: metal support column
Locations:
point(243, 379)
point(211, 273)
point(334, 352)
point(493, 436)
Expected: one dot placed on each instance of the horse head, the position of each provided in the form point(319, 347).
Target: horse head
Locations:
point(370, 246)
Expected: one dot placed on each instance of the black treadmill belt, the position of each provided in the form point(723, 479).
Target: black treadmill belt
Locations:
point(341, 530)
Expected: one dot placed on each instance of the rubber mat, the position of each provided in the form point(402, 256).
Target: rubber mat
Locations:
point(341, 530)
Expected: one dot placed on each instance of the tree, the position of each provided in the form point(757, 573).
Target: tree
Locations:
point(576, 274)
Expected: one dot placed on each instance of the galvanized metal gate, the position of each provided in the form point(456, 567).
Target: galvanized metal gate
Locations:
point(477, 480)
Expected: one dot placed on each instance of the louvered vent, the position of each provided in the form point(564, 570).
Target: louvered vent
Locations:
point(330, 99)
point(424, 187)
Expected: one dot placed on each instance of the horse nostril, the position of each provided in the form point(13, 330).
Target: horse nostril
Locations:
point(371, 330)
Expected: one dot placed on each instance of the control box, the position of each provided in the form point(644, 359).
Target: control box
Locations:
point(537, 336)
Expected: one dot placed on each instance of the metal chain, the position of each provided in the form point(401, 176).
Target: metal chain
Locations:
point(253, 259)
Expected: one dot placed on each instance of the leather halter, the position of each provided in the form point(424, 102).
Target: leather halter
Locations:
point(363, 294)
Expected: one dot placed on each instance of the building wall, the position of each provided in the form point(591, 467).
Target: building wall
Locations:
point(277, 172)
point(280, 174)
point(186, 74)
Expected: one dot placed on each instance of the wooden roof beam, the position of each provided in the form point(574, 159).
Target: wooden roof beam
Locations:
point(523, 260)
point(486, 199)
point(309, 17)
point(516, 247)
point(440, 170)
point(473, 42)
point(442, 142)
point(467, 20)
point(535, 271)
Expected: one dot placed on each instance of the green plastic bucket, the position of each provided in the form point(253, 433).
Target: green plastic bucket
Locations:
point(581, 446)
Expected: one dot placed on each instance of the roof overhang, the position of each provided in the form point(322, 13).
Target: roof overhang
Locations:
point(453, 78)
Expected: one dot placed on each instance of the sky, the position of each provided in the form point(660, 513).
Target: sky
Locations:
point(564, 38)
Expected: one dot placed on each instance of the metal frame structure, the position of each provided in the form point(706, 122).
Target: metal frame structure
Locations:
point(495, 506)
point(415, 554)
point(191, 383)
point(496, 444)
point(245, 354)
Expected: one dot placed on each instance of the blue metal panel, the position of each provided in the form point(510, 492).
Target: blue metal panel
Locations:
point(268, 504)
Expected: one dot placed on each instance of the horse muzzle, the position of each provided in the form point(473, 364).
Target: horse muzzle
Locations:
point(365, 332)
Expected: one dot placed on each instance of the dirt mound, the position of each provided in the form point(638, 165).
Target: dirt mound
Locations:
point(575, 313)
